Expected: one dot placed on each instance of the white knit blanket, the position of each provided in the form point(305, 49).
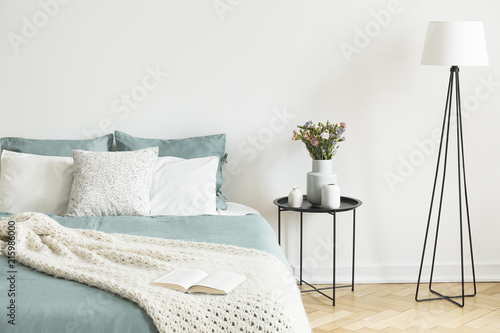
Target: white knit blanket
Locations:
point(268, 301)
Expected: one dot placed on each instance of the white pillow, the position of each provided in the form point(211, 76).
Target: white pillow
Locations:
point(184, 186)
point(112, 183)
point(35, 183)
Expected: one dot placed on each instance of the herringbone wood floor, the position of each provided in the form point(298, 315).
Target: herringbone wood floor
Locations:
point(392, 308)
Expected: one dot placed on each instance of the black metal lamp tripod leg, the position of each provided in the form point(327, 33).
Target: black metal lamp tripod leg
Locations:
point(445, 133)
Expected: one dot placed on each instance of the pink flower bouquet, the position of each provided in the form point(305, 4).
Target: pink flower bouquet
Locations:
point(322, 140)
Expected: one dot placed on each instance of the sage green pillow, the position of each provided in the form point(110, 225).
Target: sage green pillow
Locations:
point(56, 147)
point(200, 146)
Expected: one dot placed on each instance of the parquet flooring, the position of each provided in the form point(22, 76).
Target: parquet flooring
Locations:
point(392, 308)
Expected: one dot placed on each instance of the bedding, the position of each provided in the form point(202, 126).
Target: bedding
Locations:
point(48, 304)
point(199, 146)
point(25, 180)
point(55, 147)
point(184, 186)
point(43, 295)
point(112, 183)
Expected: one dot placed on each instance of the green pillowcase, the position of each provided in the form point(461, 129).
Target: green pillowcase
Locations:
point(201, 146)
point(56, 147)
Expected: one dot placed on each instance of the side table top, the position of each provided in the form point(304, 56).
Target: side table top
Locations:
point(346, 203)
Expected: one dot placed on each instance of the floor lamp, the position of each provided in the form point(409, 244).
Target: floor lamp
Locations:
point(452, 44)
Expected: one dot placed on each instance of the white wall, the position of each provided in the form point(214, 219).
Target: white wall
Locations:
point(255, 70)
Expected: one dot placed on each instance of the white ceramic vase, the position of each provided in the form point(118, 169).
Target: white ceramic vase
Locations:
point(330, 196)
point(320, 175)
point(295, 198)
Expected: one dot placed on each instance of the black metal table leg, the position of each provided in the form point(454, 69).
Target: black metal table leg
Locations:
point(334, 256)
point(279, 225)
point(353, 244)
point(300, 281)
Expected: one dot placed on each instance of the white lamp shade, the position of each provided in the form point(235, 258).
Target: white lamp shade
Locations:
point(455, 44)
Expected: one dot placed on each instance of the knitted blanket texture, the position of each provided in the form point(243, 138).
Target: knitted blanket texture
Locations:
point(268, 301)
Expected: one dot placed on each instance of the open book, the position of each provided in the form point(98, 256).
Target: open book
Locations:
point(198, 281)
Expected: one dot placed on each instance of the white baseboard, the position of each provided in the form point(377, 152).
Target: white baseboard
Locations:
point(399, 274)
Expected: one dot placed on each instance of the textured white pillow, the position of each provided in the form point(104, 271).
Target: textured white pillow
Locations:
point(112, 183)
point(35, 183)
point(184, 186)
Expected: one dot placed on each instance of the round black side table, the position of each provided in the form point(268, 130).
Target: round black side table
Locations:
point(346, 204)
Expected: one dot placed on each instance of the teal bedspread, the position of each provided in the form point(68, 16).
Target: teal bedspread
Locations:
point(47, 304)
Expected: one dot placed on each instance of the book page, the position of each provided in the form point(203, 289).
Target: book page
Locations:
point(183, 277)
point(219, 281)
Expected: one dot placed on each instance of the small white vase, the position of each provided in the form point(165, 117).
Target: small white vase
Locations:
point(295, 198)
point(330, 196)
point(320, 175)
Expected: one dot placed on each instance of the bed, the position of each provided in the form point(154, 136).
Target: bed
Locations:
point(199, 217)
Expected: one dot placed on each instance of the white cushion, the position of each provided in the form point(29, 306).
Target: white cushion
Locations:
point(184, 186)
point(112, 183)
point(35, 183)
